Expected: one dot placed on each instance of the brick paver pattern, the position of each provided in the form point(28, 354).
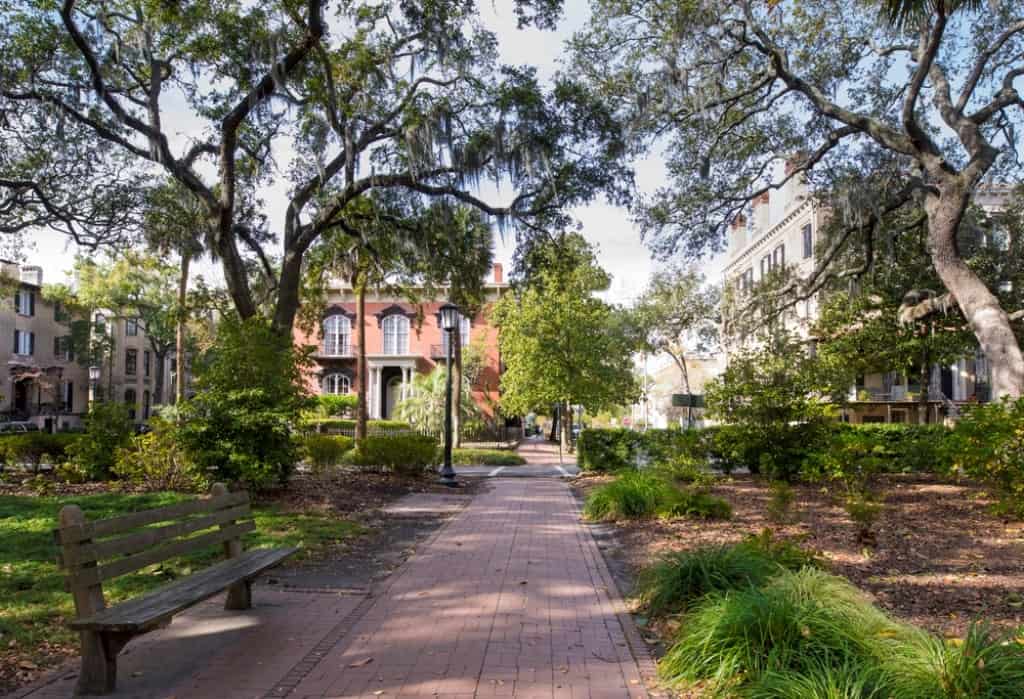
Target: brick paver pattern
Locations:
point(510, 599)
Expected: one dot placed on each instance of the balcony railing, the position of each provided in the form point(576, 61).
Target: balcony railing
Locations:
point(336, 349)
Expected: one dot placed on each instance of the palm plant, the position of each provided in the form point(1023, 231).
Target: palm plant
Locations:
point(424, 405)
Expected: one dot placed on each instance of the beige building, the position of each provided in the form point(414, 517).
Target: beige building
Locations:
point(663, 379)
point(49, 386)
point(784, 231)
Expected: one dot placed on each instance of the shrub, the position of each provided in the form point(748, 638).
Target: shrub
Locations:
point(988, 444)
point(864, 510)
point(687, 469)
point(107, 428)
point(408, 454)
point(156, 461)
point(346, 425)
point(323, 451)
point(486, 457)
point(250, 392)
point(35, 448)
point(696, 503)
point(682, 578)
point(336, 405)
point(607, 450)
point(780, 502)
point(616, 449)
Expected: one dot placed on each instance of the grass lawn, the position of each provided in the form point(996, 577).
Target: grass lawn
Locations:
point(33, 603)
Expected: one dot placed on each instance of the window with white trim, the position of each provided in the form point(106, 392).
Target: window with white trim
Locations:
point(337, 384)
point(396, 334)
point(131, 327)
point(337, 331)
point(808, 241)
point(131, 400)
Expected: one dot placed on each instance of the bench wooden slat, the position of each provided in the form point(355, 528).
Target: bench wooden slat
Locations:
point(93, 576)
point(118, 525)
point(78, 554)
point(145, 612)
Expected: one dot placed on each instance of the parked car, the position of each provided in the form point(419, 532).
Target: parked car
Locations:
point(17, 427)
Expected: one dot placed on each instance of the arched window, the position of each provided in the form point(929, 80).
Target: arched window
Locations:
point(337, 329)
point(145, 405)
point(396, 334)
point(130, 401)
point(337, 384)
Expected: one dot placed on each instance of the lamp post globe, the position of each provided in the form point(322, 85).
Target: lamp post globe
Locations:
point(449, 317)
point(94, 379)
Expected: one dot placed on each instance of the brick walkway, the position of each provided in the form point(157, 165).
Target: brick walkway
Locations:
point(511, 598)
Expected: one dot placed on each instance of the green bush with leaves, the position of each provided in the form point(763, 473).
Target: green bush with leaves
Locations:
point(695, 503)
point(108, 427)
point(157, 462)
point(988, 445)
point(330, 405)
point(249, 396)
point(322, 451)
point(32, 449)
point(408, 454)
point(617, 448)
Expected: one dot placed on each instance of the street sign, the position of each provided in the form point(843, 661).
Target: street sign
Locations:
point(687, 400)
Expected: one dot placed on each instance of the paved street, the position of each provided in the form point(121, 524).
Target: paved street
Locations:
point(511, 598)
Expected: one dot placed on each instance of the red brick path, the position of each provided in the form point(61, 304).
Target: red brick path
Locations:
point(511, 599)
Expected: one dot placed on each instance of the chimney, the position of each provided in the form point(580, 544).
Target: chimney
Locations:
point(762, 213)
point(32, 274)
point(499, 275)
point(795, 190)
point(737, 234)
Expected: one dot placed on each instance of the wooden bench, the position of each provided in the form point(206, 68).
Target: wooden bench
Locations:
point(100, 550)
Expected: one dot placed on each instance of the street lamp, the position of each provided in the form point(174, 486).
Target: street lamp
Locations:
point(94, 379)
point(449, 316)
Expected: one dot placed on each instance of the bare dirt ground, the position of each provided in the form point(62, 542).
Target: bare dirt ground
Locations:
point(942, 559)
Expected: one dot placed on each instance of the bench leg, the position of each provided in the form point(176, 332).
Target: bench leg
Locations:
point(99, 661)
point(239, 596)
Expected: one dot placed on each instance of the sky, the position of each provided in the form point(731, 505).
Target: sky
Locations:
point(609, 228)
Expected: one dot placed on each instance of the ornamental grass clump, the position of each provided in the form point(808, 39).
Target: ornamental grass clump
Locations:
point(681, 579)
point(793, 624)
point(638, 494)
point(631, 495)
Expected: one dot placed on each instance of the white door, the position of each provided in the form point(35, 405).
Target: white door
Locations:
point(394, 395)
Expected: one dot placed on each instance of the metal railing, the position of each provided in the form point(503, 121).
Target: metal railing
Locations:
point(335, 349)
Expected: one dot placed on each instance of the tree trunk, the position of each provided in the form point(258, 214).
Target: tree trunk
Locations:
point(980, 307)
point(456, 369)
point(553, 435)
point(289, 282)
point(159, 360)
point(563, 413)
point(922, 399)
point(179, 331)
point(680, 361)
point(359, 286)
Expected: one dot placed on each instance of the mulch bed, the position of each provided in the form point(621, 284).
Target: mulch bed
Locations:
point(941, 560)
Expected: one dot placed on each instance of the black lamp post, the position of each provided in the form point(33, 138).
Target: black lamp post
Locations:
point(449, 316)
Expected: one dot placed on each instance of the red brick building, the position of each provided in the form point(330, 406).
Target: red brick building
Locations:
point(401, 339)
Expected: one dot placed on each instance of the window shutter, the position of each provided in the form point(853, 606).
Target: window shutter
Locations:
point(31, 343)
point(31, 303)
point(17, 337)
point(56, 347)
point(17, 301)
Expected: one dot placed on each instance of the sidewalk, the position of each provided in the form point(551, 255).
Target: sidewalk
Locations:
point(511, 598)
point(540, 452)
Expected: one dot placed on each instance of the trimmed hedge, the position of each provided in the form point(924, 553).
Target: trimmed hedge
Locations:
point(408, 454)
point(337, 424)
point(486, 457)
point(324, 450)
point(785, 453)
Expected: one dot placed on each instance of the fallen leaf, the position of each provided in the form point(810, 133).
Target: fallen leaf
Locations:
point(361, 663)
